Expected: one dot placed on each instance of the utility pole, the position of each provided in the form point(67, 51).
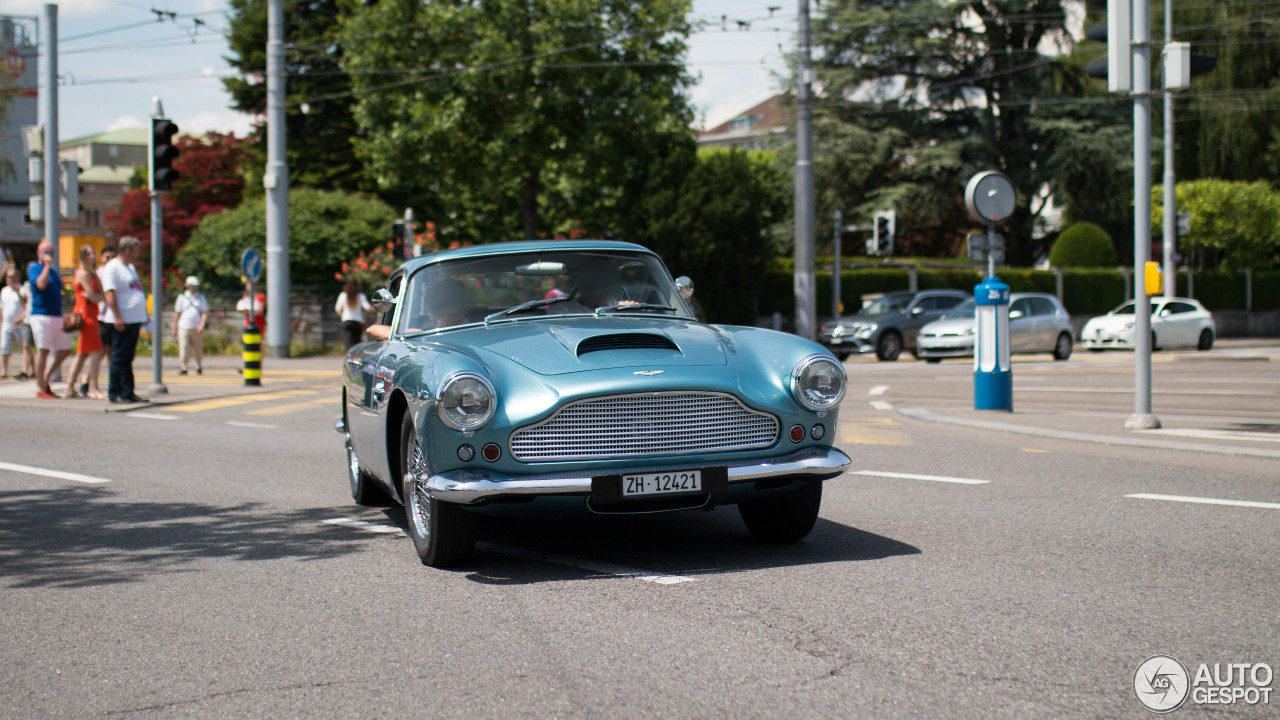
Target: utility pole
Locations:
point(276, 182)
point(1170, 202)
point(49, 39)
point(805, 276)
point(1142, 417)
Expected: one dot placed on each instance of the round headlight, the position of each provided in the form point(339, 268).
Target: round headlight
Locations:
point(819, 382)
point(465, 401)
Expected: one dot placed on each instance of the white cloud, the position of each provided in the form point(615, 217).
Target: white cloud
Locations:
point(126, 121)
point(223, 121)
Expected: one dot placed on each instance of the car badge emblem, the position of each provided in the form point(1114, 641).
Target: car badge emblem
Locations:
point(649, 372)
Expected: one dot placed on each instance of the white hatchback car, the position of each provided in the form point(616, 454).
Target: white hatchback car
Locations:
point(1037, 323)
point(1175, 322)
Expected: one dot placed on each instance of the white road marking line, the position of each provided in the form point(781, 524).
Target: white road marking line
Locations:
point(77, 477)
point(1216, 434)
point(909, 476)
point(597, 567)
point(365, 526)
point(263, 426)
point(878, 390)
point(152, 416)
point(881, 405)
point(1205, 501)
point(1223, 393)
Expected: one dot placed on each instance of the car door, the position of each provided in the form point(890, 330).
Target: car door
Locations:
point(922, 311)
point(1180, 317)
point(1021, 326)
point(1044, 324)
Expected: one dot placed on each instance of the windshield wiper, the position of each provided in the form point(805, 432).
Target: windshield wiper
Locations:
point(633, 306)
point(531, 305)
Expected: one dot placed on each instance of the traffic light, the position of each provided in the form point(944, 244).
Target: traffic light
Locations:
point(163, 153)
point(884, 229)
point(397, 240)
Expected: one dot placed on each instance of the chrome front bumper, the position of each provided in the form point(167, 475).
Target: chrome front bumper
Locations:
point(468, 487)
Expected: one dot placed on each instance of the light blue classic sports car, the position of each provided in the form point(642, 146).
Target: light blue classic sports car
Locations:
point(571, 376)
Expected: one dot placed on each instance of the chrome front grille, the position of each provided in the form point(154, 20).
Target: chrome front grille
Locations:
point(645, 424)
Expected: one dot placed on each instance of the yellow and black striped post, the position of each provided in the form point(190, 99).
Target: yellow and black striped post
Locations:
point(252, 355)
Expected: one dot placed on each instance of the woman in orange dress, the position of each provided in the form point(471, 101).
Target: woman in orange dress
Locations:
point(88, 295)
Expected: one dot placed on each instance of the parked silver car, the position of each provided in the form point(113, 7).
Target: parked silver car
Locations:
point(1037, 323)
point(889, 325)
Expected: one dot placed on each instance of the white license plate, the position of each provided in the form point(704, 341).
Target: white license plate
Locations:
point(662, 483)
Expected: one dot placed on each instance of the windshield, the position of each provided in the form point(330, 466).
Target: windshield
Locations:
point(1127, 308)
point(963, 311)
point(537, 284)
point(888, 304)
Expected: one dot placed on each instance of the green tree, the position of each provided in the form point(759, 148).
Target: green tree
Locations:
point(318, 110)
point(510, 118)
point(326, 229)
point(930, 93)
point(712, 225)
point(1233, 224)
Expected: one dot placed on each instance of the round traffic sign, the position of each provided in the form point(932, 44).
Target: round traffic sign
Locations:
point(251, 265)
point(990, 197)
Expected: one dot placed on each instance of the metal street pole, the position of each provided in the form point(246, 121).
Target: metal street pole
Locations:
point(157, 273)
point(49, 39)
point(806, 296)
point(276, 181)
point(1142, 417)
point(1170, 202)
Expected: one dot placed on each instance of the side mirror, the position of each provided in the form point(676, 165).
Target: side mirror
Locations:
point(382, 300)
point(917, 310)
point(1014, 315)
point(685, 286)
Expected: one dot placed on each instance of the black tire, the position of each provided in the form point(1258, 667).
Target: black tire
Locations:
point(933, 361)
point(1154, 345)
point(1206, 340)
point(443, 534)
point(842, 356)
point(1062, 348)
point(783, 519)
point(364, 489)
point(889, 347)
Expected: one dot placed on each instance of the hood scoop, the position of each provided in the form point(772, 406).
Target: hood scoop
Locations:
point(626, 341)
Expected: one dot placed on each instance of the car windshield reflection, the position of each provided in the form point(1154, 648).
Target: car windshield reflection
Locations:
point(520, 286)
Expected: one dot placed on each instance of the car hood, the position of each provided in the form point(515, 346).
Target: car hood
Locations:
point(1111, 322)
point(558, 346)
point(949, 326)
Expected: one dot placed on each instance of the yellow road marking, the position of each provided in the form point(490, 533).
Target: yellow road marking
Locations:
point(287, 408)
point(238, 400)
point(873, 436)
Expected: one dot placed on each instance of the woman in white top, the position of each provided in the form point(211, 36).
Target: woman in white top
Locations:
point(352, 305)
point(13, 310)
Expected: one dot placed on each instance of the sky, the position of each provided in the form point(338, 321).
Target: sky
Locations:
point(116, 55)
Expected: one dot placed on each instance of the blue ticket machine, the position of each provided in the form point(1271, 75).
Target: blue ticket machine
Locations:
point(992, 373)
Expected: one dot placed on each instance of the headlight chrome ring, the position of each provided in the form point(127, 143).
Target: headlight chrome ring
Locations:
point(818, 382)
point(466, 401)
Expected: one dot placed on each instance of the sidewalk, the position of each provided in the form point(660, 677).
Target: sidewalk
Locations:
point(220, 379)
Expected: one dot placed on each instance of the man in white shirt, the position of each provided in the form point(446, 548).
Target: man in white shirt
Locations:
point(190, 313)
point(126, 312)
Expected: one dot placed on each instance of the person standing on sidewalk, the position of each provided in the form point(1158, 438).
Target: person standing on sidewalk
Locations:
point(126, 312)
point(46, 318)
point(351, 306)
point(190, 314)
point(88, 295)
point(13, 309)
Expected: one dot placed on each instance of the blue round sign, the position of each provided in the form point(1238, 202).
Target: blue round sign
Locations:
point(251, 265)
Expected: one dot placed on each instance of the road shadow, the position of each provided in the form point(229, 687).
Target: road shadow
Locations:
point(79, 537)
point(686, 543)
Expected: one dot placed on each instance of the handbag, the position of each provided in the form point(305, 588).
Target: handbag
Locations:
point(72, 322)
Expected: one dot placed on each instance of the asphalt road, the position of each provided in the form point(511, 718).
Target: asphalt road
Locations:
point(221, 570)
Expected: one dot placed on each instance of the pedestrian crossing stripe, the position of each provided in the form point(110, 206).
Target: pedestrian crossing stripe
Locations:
point(226, 402)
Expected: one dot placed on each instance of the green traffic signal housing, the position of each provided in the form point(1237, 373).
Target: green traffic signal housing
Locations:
point(163, 153)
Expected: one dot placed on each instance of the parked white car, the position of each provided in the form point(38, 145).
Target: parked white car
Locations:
point(1037, 323)
point(1175, 322)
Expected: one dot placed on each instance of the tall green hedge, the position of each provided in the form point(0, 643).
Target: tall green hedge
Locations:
point(1086, 291)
